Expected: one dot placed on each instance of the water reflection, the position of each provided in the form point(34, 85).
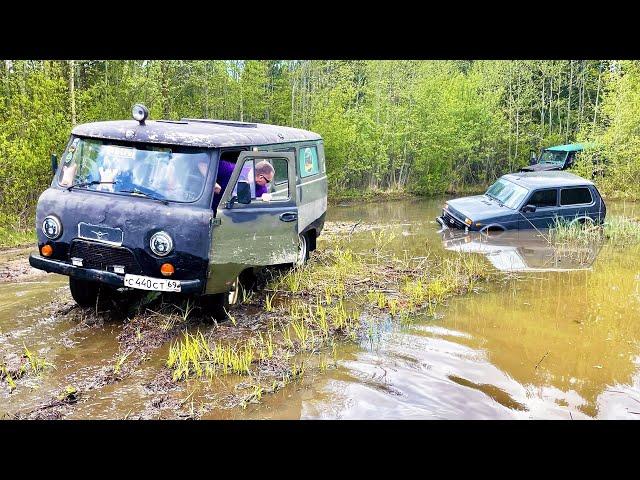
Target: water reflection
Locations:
point(522, 251)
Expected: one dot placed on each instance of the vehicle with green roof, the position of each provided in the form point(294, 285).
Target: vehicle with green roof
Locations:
point(559, 157)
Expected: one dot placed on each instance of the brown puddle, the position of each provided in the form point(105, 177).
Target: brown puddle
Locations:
point(557, 336)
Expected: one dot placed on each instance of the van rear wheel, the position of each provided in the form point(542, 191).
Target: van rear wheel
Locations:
point(303, 251)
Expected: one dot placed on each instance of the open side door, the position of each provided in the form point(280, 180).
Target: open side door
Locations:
point(258, 233)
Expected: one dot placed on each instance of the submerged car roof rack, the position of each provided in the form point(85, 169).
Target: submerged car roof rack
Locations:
point(231, 123)
point(182, 122)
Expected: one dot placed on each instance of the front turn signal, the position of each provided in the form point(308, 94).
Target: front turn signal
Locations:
point(46, 250)
point(167, 269)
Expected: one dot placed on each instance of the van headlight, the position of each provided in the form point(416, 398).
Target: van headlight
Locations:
point(161, 244)
point(52, 227)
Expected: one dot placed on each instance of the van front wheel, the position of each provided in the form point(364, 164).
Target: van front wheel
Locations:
point(83, 292)
point(217, 304)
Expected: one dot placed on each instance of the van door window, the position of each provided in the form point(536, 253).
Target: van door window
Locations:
point(575, 196)
point(268, 179)
point(307, 161)
point(280, 184)
point(544, 198)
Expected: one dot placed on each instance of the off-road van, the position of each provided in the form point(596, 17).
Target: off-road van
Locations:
point(140, 204)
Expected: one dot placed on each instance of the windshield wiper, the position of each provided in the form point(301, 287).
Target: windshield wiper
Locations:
point(152, 197)
point(86, 184)
point(496, 199)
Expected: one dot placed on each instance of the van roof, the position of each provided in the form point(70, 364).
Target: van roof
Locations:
point(194, 132)
point(551, 179)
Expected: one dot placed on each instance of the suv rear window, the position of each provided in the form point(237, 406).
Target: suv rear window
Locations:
point(544, 198)
point(575, 196)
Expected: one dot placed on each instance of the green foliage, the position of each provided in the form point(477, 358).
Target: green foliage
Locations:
point(419, 126)
point(618, 134)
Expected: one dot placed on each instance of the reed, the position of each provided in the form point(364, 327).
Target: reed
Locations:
point(37, 364)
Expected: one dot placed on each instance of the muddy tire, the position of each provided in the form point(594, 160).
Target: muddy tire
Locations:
point(217, 305)
point(93, 294)
point(83, 292)
point(303, 251)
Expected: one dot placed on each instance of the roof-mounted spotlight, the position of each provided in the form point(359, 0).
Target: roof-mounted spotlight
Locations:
point(140, 113)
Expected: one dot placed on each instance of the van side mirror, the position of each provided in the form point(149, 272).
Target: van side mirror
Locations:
point(54, 163)
point(244, 192)
point(533, 159)
point(529, 208)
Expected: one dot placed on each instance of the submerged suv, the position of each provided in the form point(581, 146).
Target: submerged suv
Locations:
point(527, 200)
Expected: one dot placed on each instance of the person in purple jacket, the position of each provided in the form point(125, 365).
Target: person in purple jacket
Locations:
point(225, 169)
point(264, 175)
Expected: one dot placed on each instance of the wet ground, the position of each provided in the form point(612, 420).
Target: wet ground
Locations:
point(557, 337)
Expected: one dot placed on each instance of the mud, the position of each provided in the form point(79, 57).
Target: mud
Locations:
point(14, 265)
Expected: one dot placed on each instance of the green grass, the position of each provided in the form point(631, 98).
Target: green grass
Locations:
point(327, 301)
point(37, 364)
point(10, 238)
point(619, 230)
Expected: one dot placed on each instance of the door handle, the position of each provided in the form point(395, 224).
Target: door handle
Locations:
point(289, 216)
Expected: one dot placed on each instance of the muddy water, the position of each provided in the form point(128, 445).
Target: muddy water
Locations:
point(557, 335)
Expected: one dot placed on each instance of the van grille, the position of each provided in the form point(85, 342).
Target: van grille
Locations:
point(100, 256)
point(447, 217)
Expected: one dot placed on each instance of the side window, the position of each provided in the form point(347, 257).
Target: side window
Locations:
point(575, 196)
point(267, 178)
point(321, 158)
point(282, 172)
point(307, 161)
point(544, 198)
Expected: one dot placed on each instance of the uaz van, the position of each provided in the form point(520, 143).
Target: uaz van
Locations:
point(188, 206)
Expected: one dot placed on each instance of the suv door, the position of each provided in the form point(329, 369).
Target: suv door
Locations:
point(261, 232)
point(546, 203)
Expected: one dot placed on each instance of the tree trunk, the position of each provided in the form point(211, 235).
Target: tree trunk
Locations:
point(72, 94)
point(164, 88)
point(566, 137)
point(595, 110)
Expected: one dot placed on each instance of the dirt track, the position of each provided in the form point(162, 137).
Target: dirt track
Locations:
point(14, 264)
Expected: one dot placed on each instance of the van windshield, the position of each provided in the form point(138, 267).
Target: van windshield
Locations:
point(507, 193)
point(164, 172)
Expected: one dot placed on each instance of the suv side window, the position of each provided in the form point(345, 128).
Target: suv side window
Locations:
point(575, 196)
point(544, 198)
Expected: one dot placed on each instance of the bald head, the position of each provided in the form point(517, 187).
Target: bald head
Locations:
point(266, 169)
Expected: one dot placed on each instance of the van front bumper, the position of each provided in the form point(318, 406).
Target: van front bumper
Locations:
point(102, 276)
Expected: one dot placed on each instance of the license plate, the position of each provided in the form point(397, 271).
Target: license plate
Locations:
point(150, 283)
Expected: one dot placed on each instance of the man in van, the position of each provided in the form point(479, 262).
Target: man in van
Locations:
point(264, 173)
point(264, 176)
